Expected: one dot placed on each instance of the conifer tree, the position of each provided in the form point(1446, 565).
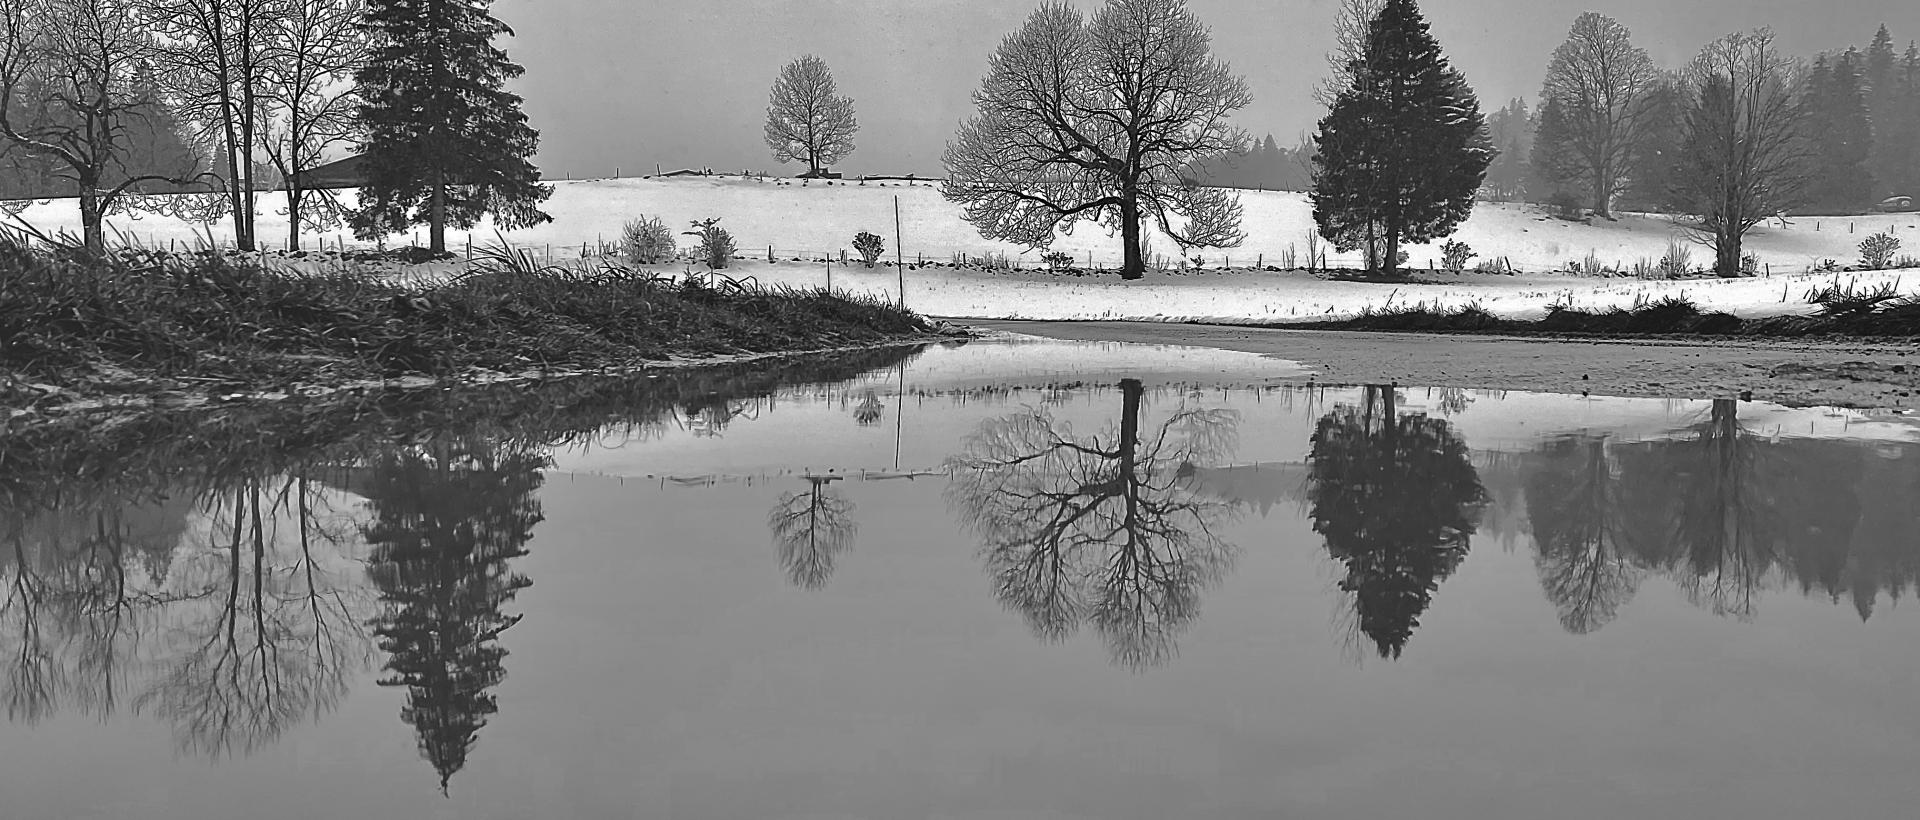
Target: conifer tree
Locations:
point(1884, 102)
point(445, 141)
point(1402, 150)
point(1841, 135)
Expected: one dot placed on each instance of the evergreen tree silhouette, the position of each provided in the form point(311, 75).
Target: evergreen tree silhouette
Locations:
point(1398, 502)
point(447, 520)
point(1401, 152)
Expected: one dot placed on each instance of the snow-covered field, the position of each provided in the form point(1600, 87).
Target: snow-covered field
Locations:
point(816, 220)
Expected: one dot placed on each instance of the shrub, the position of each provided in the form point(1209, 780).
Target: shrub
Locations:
point(646, 241)
point(1907, 262)
point(1678, 262)
point(1876, 251)
point(870, 246)
point(1058, 261)
point(1455, 255)
point(1843, 300)
point(1566, 205)
point(716, 244)
point(1750, 264)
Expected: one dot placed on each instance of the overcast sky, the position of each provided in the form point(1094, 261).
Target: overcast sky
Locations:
point(632, 83)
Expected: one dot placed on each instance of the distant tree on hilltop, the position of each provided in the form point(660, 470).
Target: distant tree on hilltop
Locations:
point(806, 120)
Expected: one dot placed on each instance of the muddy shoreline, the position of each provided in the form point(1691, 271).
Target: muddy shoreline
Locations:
point(1797, 372)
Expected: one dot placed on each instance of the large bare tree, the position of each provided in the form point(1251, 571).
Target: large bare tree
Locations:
point(1093, 119)
point(74, 64)
point(1601, 86)
point(806, 119)
point(1745, 155)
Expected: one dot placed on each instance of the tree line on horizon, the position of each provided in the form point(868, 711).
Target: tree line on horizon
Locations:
point(1863, 113)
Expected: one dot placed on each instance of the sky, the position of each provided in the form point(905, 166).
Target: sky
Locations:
point(630, 84)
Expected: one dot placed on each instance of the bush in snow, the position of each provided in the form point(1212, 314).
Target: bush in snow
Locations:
point(1454, 256)
point(1058, 261)
point(716, 244)
point(1678, 262)
point(646, 241)
point(1876, 251)
point(870, 247)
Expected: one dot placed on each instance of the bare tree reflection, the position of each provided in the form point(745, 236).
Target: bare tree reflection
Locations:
point(265, 630)
point(1104, 529)
point(811, 530)
point(1574, 504)
point(448, 519)
point(1398, 502)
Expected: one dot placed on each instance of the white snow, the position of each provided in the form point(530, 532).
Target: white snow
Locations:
point(815, 220)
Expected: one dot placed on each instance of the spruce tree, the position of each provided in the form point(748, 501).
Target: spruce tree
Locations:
point(1841, 134)
point(1402, 151)
point(1884, 103)
point(445, 141)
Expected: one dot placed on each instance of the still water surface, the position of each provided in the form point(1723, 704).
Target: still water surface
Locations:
point(1001, 580)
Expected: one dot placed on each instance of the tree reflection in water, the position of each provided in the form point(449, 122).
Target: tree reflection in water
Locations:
point(447, 519)
point(231, 611)
point(1398, 501)
point(811, 530)
point(1580, 531)
point(1104, 529)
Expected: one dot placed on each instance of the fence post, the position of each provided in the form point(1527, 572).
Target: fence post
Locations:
point(899, 254)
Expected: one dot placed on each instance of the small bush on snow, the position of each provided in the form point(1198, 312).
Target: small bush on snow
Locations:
point(870, 246)
point(1876, 251)
point(716, 244)
point(1455, 255)
point(646, 241)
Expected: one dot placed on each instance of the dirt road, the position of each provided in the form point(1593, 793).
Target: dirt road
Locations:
point(1798, 372)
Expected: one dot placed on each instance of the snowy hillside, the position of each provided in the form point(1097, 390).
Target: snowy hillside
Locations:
point(817, 220)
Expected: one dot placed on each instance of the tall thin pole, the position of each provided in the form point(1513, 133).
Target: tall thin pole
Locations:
point(899, 258)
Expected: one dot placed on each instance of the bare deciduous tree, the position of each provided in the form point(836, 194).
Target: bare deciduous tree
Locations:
point(1350, 26)
point(1745, 156)
point(1094, 119)
point(1601, 84)
point(806, 120)
point(216, 56)
point(313, 50)
point(75, 62)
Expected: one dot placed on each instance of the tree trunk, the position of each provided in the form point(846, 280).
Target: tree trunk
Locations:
point(1131, 391)
point(1602, 192)
point(293, 215)
point(91, 215)
point(437, 233)
point(1132, 266)
point(1391, 247)
point(1726, 248)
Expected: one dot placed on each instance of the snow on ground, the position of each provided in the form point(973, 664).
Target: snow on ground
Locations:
point(814, 221)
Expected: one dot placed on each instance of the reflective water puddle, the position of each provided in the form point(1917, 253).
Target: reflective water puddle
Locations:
point(999, 580)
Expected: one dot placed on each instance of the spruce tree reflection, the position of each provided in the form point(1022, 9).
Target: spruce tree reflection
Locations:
point(811, 529)
point(1398, 501)
point(447, 519)
point(1574, 505)
point(1105, 529)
